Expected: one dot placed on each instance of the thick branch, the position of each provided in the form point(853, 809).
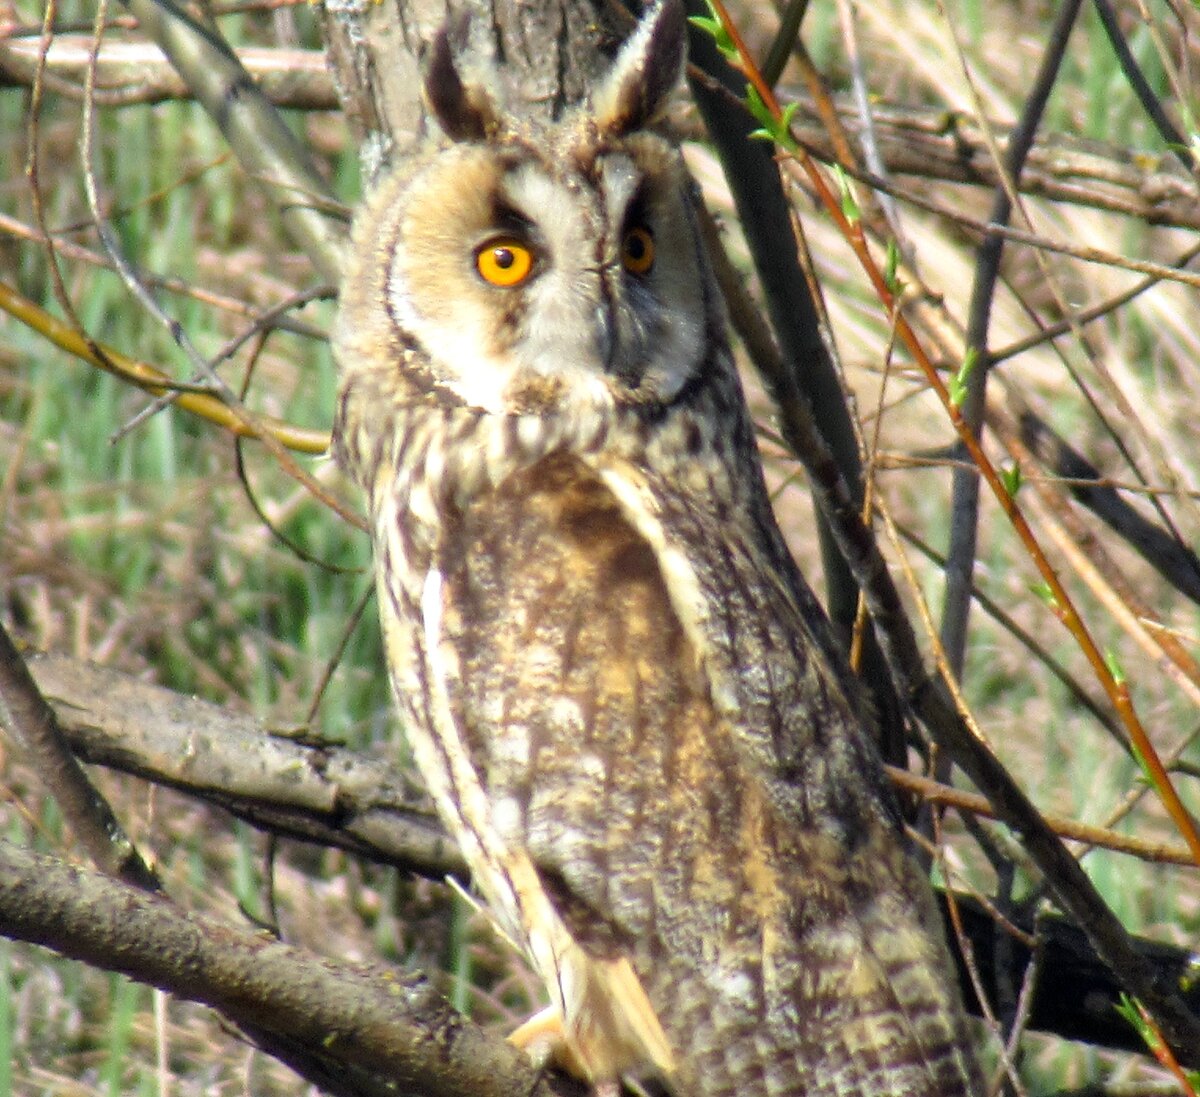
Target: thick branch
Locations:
point(326, 794)
point(129, 73)
point(1174, 560)
point(28, 717)
point(362, 1019)
point(258, 135)
point(552, 51)
point(291, 786)
point(949, 146)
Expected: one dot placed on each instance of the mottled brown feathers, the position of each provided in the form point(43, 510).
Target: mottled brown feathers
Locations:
point(622, 695)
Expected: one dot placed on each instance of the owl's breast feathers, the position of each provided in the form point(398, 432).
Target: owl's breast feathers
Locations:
point(664, 794)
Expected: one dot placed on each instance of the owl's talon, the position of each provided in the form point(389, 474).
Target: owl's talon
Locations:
point(544, 1040)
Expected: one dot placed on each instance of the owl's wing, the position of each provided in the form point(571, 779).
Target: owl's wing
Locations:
point(769, 660)
point(860, 963)
point(862, 943)
point(754, 885)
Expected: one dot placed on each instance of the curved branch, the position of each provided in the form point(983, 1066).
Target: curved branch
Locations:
point(256, 132)
point(152, 380)
point(369, 1026)
point(296, 787)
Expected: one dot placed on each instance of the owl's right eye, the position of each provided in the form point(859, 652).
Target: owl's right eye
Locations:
point(504, 261)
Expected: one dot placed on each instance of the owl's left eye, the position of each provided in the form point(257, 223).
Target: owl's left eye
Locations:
point(504, 261)
point(637, 250)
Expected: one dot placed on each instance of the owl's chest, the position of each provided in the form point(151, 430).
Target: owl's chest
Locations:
point(551, 594)
point(546, 620)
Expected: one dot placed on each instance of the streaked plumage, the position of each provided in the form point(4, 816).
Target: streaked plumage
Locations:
point(613, 678)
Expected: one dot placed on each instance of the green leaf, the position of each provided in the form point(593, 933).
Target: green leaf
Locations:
point(891, 264)
point(1147, 772)
point(1128, 1008)
point(850, 208)
point(713, 27)
point(784, 139)
point(1012, 479)
point(958, 383)
point(756, 106)
point(1131, 1009)
point(777, 130)
point(1113, 662)
point(1045, 592)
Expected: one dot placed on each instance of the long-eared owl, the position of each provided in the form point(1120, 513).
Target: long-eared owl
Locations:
point(618, 687)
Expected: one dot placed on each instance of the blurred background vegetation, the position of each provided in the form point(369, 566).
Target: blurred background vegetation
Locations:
point(146, 543)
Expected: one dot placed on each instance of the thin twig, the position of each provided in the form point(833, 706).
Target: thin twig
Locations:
point(964, 508)
point(1086, 316)
point(264, 322)
point(935, 792)
point(1071, 885)
point(866, 117)
point(1161, 271)
point(274, 433)
point(1027, 640)
point(235, 305)
point(784, 41)
point(1176, 141)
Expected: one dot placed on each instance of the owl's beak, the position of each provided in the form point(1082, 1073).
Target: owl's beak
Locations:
point(618, 355)
point(605, 334)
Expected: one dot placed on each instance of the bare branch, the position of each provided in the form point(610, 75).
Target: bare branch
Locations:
point(918, 142)
point(263, 143)
point(360, 1020)
point(291, 785)
point(323, 793)
point(129, 73)
point(37, 730)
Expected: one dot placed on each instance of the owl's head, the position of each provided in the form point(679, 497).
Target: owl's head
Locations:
point(529, 269)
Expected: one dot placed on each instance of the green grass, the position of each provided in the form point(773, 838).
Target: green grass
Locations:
point(7, 1050)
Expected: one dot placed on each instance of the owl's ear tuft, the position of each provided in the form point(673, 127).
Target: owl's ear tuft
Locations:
point(466, 112)
point(645, 73)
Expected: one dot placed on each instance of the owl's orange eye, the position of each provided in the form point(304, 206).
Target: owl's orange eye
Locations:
point(637, 251)
point(504, 261)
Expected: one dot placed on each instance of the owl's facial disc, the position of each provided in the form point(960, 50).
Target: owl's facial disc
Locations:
point(546, 285)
